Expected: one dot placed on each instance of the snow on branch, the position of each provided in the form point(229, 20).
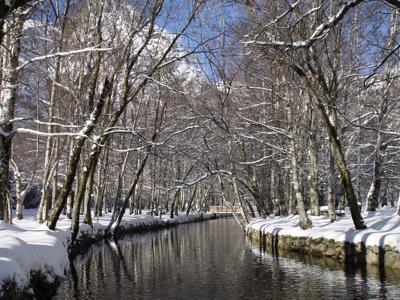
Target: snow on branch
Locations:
point(149, 144)
point(191, 183)
point(321, 31)
point(60, 54)
point(255, 162)
point(45, 134)
point(31, 120)
point(271, 128)
point(369, 128)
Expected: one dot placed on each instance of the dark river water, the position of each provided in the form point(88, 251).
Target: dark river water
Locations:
point(214, 260)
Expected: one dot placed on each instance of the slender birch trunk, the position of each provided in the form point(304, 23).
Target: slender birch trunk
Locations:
point(313, 159)
point(331, 188)
point(7, 105)
point(372, 201)
point(304, 221)
point(398, 205)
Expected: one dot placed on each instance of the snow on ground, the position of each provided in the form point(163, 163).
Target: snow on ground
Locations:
point(383, 228)
point(28, 246)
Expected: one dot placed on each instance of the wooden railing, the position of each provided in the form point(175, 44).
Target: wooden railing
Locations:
point(225, 209)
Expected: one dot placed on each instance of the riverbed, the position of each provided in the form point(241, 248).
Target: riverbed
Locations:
point(215, 260)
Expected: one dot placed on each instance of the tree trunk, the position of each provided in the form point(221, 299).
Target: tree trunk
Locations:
point(290, 198)
point(340, 161)
point(274, 189)
point(21, 194)
point(304, 221)
point(115, 209)
point(190, 203)
point(283, 208)
point(313, 160)
point(342, 199)
point(372, 201)
point(70, 204)
point(55, 176)
point(345, 178)
point(177, 171)
point(398, 205)
point(9, 214)
point(7, 106)
point(131, 190)
point(102, 183)
point(88, 195)
point(75, 156)
point(19, 205)
point(331, 188)
point(45, 184)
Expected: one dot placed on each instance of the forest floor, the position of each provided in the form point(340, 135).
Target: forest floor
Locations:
point(383, 228)
point(27, 246)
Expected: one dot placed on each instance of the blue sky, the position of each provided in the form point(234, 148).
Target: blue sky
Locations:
point(215, 16)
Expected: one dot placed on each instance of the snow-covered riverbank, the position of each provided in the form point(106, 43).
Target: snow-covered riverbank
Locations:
point(26, 246)
point(379, 244)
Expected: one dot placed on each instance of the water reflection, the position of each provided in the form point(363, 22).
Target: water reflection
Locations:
point(213, 260)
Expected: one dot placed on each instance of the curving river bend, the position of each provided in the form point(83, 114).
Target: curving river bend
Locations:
point(214, 260)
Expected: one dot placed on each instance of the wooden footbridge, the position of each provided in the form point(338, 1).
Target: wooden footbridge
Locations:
point(225, 209)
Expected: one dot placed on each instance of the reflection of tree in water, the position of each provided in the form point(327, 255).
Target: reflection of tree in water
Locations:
point(211, 260)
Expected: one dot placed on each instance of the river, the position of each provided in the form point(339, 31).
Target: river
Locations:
point(214, 260)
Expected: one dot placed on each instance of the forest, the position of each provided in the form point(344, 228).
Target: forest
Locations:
point(119, 107)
